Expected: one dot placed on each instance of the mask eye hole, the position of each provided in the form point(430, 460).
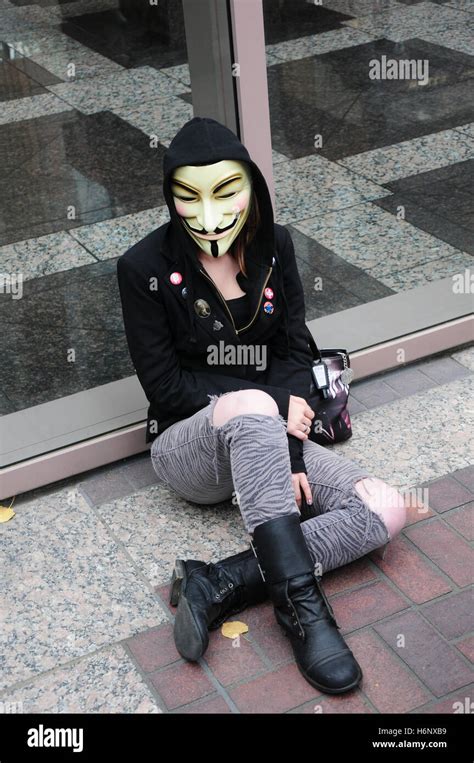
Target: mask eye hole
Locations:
point(185, 198)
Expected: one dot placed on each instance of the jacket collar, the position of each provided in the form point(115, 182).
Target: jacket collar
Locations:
point(252, 284)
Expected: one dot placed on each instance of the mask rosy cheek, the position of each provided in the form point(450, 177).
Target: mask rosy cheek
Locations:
point(242, 201)
point(181, 208)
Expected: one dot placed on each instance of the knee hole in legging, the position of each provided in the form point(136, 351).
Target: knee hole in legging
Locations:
point(243, 402)
point(385, 501)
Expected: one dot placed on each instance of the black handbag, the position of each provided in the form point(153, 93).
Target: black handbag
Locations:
point(329, 394)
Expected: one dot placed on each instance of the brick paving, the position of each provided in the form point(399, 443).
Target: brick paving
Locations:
point(406, 617)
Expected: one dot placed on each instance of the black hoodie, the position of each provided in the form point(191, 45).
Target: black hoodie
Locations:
point(168, 341)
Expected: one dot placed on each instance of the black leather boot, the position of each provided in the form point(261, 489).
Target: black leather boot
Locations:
point(301, 606)
point(207, 594)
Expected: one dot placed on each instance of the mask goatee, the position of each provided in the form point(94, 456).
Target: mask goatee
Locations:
point(214, 249)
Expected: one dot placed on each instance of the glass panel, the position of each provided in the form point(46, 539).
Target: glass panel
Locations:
point(92, 92)
point(371, 114)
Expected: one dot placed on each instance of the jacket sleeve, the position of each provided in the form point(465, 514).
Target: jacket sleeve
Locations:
point(168, 387)
point(293, 372)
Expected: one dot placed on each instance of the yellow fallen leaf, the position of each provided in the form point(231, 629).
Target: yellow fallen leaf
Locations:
point(234, 628)
point(6, 513)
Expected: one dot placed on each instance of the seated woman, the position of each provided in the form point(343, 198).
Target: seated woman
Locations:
point(222, 275)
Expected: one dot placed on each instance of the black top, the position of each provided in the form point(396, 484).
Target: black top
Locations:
point(239, 308)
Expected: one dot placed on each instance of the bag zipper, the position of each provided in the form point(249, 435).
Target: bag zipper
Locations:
point(237, 331)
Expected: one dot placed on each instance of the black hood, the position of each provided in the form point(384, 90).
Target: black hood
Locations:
point(202, 141)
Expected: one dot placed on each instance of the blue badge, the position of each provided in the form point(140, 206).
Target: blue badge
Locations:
point(268, 307)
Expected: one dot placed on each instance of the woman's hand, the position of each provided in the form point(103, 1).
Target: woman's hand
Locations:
point(299, 417)
point(301, 485)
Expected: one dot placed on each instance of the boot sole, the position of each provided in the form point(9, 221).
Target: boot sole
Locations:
point(177, 578)
point(188, 639)
point(327, 689)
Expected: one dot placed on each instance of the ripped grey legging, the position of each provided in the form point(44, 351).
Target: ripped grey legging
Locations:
point(248, 456)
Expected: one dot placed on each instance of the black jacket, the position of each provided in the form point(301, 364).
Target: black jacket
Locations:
point(168, 341)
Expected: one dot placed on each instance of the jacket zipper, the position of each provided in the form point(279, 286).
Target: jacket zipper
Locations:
point(237, 331)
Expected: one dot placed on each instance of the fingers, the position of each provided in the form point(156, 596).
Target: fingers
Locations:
point(301, 487)
point(296, 488)
point(291, 429)
point(306, 489)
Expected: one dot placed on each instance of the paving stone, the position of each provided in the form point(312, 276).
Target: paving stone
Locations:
point(366, 605)
point(154, 648)
point(462, 520)
point(276, 692)
point(446, 549)
point(232, 660)
point(465, 477)
point(386, 682)
point(352, 702)
point(410, 571)
point(453, 616)
point(212, 706)
point(466, 646)
point(447, 493)
point(181, 683)
point(353, 574)
point(425, 651)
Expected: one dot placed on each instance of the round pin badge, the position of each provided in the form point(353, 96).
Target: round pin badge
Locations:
point(202, 308)
point(268, 293)
point(268, 307)
point(176, 278)
point(184, 292)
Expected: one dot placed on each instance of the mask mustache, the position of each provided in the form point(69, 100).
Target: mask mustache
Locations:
point(216, 231)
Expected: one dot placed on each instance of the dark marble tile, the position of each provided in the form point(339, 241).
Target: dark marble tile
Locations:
point(32, 70)
point(459, 175)
point(356, 114)
point(75, 278)
point(327, 264)
point(440, 202)
point(415, 2)
point(42, 3)
point(343, 285)
point(15, 84)
point(419, 111)
point(444, 369)
point(332, 298)
point(139, 471)
point(432, 220)
point(104, 485)
point(139, 34)
point(295, 136)
point(50, 213)
point(41, 328)
point(20, 141)
point(5, 405)
point(74, 162)
point(289, 19)
point(350, 66)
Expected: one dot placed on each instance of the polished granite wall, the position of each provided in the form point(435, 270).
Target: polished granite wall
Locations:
point(80, 182)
